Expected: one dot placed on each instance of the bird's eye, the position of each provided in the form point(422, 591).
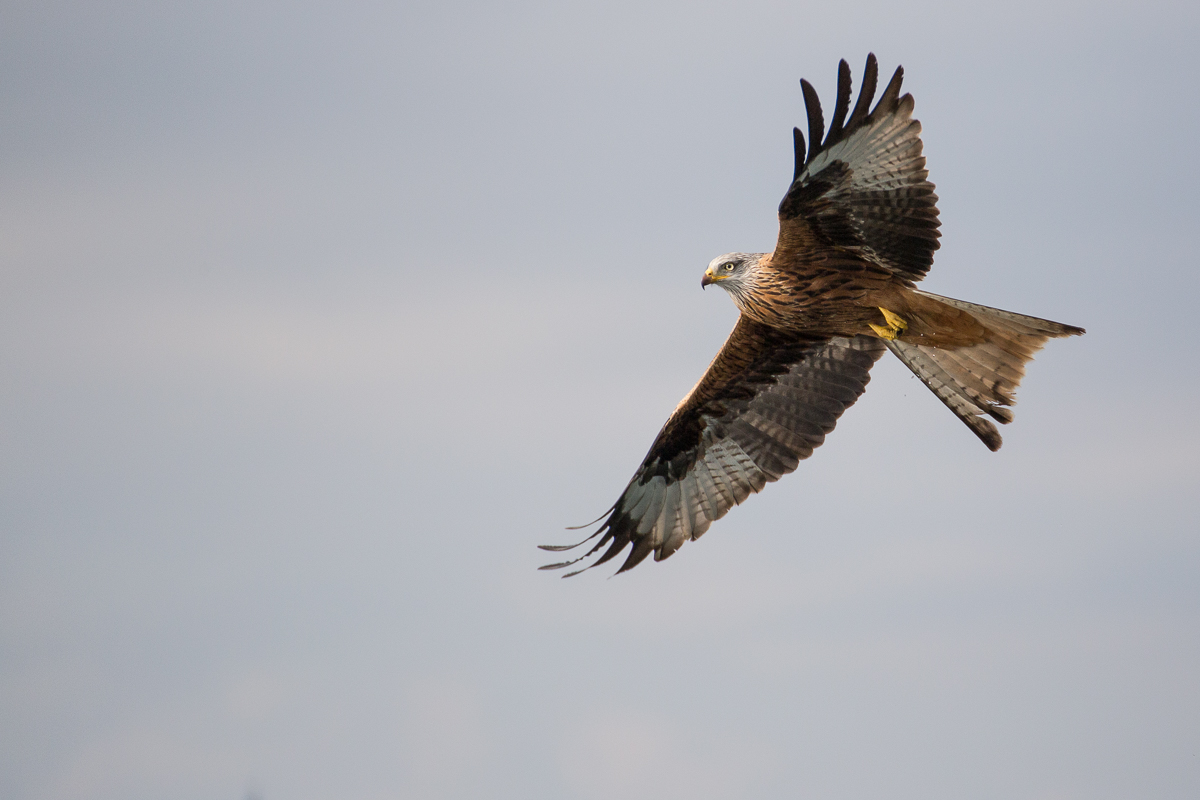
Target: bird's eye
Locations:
point(728, 267)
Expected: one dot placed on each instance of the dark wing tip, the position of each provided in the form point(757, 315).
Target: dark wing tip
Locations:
point(818, 139)
point(558, 548)
point(866, 92)
point(798, 146)
point(842, 106)
point(816, 120)
point(891, 95)
point(641, 548)
point(593, 522)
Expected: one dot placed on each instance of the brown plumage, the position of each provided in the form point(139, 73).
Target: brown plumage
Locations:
point(857, 229)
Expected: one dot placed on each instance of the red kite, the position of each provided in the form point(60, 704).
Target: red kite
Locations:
point(857, 230)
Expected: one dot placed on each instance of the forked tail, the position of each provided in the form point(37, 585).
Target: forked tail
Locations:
point(978, 382)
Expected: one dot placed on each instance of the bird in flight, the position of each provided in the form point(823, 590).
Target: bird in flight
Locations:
point(858, 227)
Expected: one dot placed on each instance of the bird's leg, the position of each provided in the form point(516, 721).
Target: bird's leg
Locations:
point(895, 325)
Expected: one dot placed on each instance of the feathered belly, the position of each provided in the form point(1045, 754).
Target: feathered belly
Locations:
point(828, 304)
point(853, 306)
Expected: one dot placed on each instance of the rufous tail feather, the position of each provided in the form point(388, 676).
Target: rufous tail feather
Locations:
point(978, 382)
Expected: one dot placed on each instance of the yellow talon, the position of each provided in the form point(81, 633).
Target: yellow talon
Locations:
point(895, 324)
point(894, 320)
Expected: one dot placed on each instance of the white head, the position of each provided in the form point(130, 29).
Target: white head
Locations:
point(733, 272)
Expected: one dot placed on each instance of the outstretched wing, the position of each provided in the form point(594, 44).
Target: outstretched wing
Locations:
point(767, 401)
point(863, 187)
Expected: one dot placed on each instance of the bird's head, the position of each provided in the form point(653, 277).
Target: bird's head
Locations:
point(731, 272)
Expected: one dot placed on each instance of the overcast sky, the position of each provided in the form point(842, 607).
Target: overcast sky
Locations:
point(316, 319)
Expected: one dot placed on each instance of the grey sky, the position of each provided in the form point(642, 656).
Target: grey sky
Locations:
point(314, 320)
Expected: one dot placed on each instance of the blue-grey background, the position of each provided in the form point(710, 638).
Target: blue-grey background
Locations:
point(316, 318)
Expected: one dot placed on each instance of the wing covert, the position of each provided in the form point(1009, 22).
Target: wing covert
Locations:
point(765, 403)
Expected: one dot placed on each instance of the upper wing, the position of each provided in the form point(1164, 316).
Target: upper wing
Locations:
point(864, 188)
point(766, 401)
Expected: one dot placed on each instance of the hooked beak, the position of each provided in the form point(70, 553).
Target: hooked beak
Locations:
point(707, 279)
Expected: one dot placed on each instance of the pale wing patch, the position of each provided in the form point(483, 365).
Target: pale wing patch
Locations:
point(880, 154)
